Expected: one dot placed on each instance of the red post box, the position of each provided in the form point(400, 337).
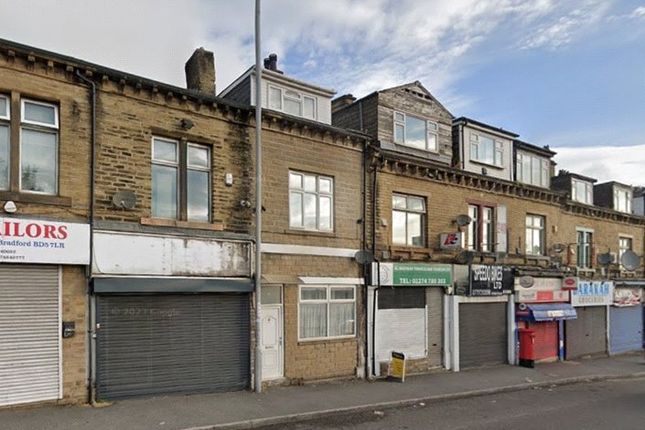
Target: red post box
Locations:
point(527, 347)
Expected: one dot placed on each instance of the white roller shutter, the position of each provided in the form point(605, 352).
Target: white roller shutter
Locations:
point(401, 330)
point(29, 333)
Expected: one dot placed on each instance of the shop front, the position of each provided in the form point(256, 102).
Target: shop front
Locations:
point(406, 315)
point(626, 318)
point(481, 317)
point(542, 307)
point(176, 321)
point(42, 310)
point(587, 334)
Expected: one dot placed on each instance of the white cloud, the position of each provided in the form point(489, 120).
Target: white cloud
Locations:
point(639, 12)
point(622, 163)
point(563, 29)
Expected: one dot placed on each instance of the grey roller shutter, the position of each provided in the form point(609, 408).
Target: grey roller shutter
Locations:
point(482, 334)
point(157, 344)
point(434, 303)
point(626, 329)
point(586, 335)
point(29, 334)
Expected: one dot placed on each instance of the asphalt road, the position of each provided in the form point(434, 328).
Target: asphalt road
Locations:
point(616, 405)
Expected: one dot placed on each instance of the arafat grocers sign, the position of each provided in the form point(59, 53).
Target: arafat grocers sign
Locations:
point(37, 241)
point(490, 280)
point(412, 274)
point(593, 293)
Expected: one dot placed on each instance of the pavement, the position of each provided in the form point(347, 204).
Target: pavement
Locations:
point(294, 403)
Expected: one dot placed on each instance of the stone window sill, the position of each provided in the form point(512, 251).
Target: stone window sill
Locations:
point(35, 198)
point(160, 222)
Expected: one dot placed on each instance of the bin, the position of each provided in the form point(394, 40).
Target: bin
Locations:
point(527, 347)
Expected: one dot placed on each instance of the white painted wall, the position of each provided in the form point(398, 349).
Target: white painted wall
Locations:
point(117, 253)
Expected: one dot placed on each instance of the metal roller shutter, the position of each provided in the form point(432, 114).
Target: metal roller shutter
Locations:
point(482, 334)
point(586, 335)
point(29, 334)
point(401, 323)
point(158, 344)
point(546, 340)
point(626, 329)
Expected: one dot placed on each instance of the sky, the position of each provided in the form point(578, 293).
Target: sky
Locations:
point(565, 73)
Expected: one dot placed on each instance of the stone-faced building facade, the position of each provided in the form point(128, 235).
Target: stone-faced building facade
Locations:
point(45, 189)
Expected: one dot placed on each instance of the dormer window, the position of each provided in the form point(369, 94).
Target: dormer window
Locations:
point(485, 149)
point(622, 200)
point(415, 132)
point(292, 102)
point(581, 191)
point(533, 170)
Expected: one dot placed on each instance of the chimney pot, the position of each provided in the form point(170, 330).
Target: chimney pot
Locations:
point(271, 63)
point(342, 101)
point(200, 71)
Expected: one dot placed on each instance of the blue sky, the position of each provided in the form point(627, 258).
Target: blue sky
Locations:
point(569, 74)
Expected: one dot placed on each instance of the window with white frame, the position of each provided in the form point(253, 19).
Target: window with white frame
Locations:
point(5, 133)
point(311, 201)
point(180, 180)
point(485, 149)
point(582, 191)
point(622, 200)
point(480, 235)
point(535, 235)
point(38, 147)
point(415, 132)
point(584, 248)
point(532, 169)
point(408, 220)
point(624, 245)
point(292, 102)
point(326, 311)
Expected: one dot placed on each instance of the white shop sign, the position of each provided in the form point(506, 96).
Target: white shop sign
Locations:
point(48, 242)
point(117, 253)
point(593, 293)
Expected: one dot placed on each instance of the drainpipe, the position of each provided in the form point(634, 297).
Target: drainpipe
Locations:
point(88, 270)
point(375, 293)
point(258, 200)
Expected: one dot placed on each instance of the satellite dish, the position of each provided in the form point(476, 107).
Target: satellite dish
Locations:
point(630, 260)
point(124, 199)
point(605, 259)
point(465, 257)
point(527, 281)
point(463, 220)
point(559, 247)
point(363, 257)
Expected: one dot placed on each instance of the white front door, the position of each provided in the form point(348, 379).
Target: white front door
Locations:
point(271, 341)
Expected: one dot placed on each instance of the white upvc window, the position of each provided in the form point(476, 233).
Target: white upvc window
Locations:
point(532, 169)
point(408, 220)
point(326, 312)
point(416, 132)
point(5, 108)
point(38, 147)
point(486, 149)
point(581, 191)
point(311, 201)
point(535, 235)
point(624, 245)
point(622, 200)
point(292, 102)
point(584, 248)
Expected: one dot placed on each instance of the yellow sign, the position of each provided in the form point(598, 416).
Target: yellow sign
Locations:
point(397, 367)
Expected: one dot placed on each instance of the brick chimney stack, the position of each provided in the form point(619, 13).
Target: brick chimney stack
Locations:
point(200, 71)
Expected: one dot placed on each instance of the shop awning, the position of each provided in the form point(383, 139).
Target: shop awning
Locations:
point(552, 312)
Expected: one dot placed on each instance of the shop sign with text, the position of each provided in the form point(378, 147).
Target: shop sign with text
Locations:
point(491, 280)
point(593, 293)
point(413, 274)
point(627, 296)
point(47, 242)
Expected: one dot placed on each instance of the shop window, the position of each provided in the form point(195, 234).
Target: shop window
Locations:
point(408, 220)
point(180, 180)
point(326, 312)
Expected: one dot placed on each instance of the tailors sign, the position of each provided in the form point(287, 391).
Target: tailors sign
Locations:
point(37, 241)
